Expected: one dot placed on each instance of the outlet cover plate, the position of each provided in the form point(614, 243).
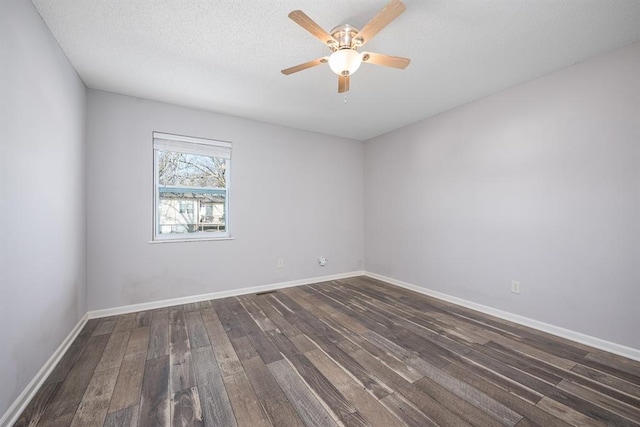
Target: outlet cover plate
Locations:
point(515, 286)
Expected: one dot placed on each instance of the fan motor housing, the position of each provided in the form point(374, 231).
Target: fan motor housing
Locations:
point(344, 35)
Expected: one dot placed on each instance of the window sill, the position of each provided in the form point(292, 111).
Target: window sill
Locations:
point(199, 239)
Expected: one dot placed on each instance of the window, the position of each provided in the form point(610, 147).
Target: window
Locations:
point(191, 185)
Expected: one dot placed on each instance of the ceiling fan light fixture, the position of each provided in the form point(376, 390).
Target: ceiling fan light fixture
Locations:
point(345, 62)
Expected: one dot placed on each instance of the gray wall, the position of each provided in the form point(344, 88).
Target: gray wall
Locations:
point(295, 195)
point(539, 183)
point(42, 211)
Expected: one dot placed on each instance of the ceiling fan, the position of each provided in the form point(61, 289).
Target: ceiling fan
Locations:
point(344, 41)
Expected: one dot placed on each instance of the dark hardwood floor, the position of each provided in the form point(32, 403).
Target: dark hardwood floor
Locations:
point(352, 352)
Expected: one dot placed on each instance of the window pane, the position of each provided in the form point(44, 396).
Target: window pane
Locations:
point(191, 170)
point(201, 210)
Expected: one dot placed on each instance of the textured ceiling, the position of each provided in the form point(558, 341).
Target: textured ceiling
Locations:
point(226, 56)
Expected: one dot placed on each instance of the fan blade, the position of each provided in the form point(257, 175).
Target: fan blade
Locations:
point(301, 18)
point(386, 60)
point(304, 66)
point(343, 84)
point(390, 12)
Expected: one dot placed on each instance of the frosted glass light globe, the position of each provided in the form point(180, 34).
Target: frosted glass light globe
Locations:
point(345, 62)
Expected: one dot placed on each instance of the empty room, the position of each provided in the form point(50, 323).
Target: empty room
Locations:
point(300, 213)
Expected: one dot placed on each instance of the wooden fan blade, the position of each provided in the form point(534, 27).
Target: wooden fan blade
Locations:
point(390, 12)
point(301, 18)
point(386, 60)
point(343, 84)
point(304, 66)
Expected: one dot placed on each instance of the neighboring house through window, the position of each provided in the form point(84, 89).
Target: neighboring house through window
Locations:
point(191, 185)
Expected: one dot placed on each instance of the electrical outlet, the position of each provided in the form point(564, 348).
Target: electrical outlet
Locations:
point(280, 263)
point(515, 286)
point(322, 261)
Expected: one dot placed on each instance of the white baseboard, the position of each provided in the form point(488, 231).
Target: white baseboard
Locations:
point(215, 295)
point(598, 343)
point(20, 404)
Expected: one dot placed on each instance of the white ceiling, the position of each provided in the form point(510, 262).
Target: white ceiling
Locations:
point(226, 55)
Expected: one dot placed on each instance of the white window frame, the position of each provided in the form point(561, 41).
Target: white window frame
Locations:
point(197, 146)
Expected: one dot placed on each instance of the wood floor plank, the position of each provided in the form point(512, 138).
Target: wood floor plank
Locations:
point(244, 349)
point(189, 307)
point(532, 367)
point(245, 403)
point(197, 333)
point(496, 378)
point(35, 409)
point(154, 401)
point(128, 387)
point(88, 328)
point(410, 392)
point(567, 414)
point(105, 326)
point(632, 367)
point(143, 318)
point(537, 366)
point(322, 387)
point(300, 298)
point(63, 421)
point(607, 380)
point(504, 395)
point(125, 322)
point(368, 406)
point(227, 318)
point(317, 331)
point(271, 396)
point(526, 423)
point(258, 316)
point(298, 316)
point(304, 401)
point(222, 348)
point(533, 352)
point(68, 396)
point(95, 402)
point(460, 406)
point(158, 334)
point(265, 349)
point(202, 305)
point(473, 396)
point(186, 408)
point(408, 413)
point(355, 420)
point(299, 339)
point(67, 361)
point(580, 404)
point(258, 339)
point(541, 340)
point(114, 351)
point(619, 408)
point(127, 417)
point(138, 341)
point(379, 318)
point(216, 407)
point(348, 362)
point(396, 364)
point(181, 375)
point(274, 313)
point(628, 371)
point(303, 343)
